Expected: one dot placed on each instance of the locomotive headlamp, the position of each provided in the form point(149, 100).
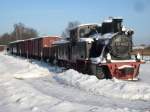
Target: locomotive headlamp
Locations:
point(138, 57)
point(108, 57)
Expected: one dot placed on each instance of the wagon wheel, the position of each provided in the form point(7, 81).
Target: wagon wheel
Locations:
point(55, 61)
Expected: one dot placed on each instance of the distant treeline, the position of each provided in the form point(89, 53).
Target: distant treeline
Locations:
point(145, 51)
point(19, 32)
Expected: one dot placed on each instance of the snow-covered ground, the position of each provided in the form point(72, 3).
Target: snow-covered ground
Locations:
point(39, 87)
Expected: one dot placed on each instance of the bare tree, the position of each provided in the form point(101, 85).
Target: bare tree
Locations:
point(20, 32)
point(65, 33)
point(5, 38)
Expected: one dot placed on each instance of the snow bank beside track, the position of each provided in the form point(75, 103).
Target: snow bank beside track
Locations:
point(18, 95)
point(109, 88)
point(139, 90)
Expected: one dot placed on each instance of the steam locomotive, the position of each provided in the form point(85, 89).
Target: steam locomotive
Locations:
point(102, 50)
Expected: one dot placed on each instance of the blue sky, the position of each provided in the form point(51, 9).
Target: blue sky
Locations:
point(50, 17)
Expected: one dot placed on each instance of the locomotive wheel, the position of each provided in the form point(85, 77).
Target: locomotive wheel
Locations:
point(104, 73)
point(101, 74)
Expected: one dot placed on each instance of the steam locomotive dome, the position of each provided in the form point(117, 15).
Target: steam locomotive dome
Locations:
point(120, 46)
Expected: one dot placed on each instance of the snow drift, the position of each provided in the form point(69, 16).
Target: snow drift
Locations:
point(37, 86)
point(22, 84)
point(108, 88)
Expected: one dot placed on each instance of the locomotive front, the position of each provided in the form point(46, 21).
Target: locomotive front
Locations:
point(115, 46)
point(120, 47)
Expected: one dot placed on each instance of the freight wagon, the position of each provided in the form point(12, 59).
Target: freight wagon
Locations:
point(33, 48)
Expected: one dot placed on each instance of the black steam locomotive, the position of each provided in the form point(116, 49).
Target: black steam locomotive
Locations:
point(103, 50)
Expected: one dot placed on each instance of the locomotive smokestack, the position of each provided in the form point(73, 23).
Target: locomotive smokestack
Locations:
point(117, 24)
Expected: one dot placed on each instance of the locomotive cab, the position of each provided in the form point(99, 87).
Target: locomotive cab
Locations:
point(83, 31)
point(81, 42)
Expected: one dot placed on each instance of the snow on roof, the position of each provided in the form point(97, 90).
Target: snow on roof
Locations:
point(51, 36)
point(89, 40)
point(110, 19)
point(42, 37)
point(118, 17)
point(107, 21)
point(60, 41)
point(81, 25)
point(88, 24)
point(16, 41)
point(34, 39)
